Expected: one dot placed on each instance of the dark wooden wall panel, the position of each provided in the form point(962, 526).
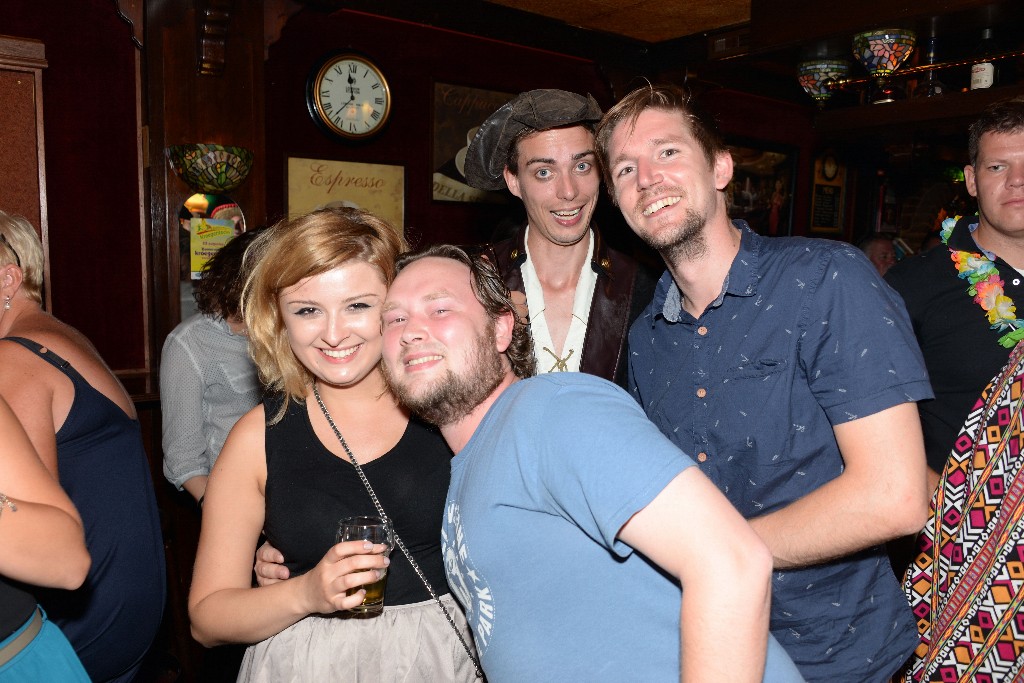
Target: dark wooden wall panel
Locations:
point(185, 107)
point(19, 175)
point(761, 119)
point(97, 260)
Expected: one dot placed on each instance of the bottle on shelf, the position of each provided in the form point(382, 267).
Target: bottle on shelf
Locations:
point(984, 73)
point(930, 85)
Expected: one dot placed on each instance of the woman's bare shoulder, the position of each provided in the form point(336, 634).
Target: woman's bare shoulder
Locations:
point(244, 451)
point(57, 336)
point(73, 346)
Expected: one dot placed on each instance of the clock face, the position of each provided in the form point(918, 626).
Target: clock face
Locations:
point(829, 167)
point(348, 96)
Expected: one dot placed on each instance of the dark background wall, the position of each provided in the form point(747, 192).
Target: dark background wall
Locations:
point(111, 108)
point(413, 57)
point(747, 118)
point(91, 112)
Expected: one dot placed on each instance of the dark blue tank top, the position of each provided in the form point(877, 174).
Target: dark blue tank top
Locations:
point(112, 619)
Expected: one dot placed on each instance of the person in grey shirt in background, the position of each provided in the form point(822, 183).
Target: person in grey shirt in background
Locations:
point(207, 380)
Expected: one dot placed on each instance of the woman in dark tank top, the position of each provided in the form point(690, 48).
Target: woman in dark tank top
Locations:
point(81, 422)
point(312, 307)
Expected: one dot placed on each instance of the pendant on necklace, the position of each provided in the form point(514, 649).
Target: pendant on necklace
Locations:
point(560, 363)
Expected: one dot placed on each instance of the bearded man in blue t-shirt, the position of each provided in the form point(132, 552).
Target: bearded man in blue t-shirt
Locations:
point(581, 543)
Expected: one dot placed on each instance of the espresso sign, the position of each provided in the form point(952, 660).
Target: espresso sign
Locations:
point(318, 183)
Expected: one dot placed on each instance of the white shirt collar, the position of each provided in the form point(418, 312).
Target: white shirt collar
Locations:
point(543, 347)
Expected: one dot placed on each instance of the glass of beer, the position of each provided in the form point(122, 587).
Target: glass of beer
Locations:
point(376, 531)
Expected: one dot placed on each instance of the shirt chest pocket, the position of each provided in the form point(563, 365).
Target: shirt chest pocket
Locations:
point(757, 370)
point(759, 386)
point(750, 399)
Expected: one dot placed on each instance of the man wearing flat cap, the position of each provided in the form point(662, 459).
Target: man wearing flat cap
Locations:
point(582, 295)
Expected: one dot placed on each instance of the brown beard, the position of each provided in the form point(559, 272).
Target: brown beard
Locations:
point(689, 244)
point(453, 397)
point(686, 242)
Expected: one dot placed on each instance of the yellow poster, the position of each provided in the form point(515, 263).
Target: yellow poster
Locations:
point(319, 183)
point(208, 235)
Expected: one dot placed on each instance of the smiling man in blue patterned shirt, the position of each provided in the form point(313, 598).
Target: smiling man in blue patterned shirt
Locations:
point(788, 370)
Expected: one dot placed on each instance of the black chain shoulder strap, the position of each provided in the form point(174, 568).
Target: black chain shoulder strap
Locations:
point(398, 541)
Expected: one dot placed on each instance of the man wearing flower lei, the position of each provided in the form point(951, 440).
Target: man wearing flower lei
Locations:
point(961, 297)
point(964, 585)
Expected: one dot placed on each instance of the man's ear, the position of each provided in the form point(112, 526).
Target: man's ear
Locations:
point(512, 180)
point(970, 180)
point(503, 326)
point(723, 170)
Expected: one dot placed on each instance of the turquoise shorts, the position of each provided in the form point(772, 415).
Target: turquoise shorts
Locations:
point(47, 657)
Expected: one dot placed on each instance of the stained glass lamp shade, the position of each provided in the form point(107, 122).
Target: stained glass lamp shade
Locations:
point(209, 168)
point(882, 51)
point(818, 77)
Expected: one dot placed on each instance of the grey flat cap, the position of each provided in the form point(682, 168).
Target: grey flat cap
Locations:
point(533, 110)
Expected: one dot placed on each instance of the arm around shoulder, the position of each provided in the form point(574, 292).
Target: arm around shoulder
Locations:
point(726, 583)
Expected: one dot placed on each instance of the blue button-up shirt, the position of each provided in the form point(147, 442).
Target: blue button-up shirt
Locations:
point(803, 336)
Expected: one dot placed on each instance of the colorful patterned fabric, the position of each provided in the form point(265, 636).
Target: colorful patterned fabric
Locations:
point(966, 585)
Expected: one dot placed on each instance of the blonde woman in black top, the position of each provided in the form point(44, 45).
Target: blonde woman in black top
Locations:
point(312, 305)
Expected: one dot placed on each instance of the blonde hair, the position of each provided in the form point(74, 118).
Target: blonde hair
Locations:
point(293, 250)
point(23, 246)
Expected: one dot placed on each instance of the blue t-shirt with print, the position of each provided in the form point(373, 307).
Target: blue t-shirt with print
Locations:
point(557, 466)
point(804, 336)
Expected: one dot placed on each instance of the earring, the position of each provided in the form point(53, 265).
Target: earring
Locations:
point(7, 304)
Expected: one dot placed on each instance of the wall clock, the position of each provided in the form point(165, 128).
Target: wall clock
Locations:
point(829, 167)
point(348, 97)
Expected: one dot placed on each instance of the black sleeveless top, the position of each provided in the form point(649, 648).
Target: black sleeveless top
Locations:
point(16, 606)
point(112, 618)
point(309, 489)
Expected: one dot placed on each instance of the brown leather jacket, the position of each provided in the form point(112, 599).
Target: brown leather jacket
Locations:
point(623, 290)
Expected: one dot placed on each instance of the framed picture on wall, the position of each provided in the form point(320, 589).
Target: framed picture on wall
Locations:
point(761, 190)
point(828, 199)
point(318, 183)
point(458, 113)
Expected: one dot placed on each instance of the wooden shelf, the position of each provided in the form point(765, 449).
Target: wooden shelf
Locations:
point(949, 109)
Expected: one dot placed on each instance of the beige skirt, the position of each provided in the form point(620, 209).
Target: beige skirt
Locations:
point(407, 643)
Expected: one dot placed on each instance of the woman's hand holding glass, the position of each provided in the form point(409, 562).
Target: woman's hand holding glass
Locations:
point(344, 567)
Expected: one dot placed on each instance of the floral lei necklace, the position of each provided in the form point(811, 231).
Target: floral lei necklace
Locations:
point(987, 289)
